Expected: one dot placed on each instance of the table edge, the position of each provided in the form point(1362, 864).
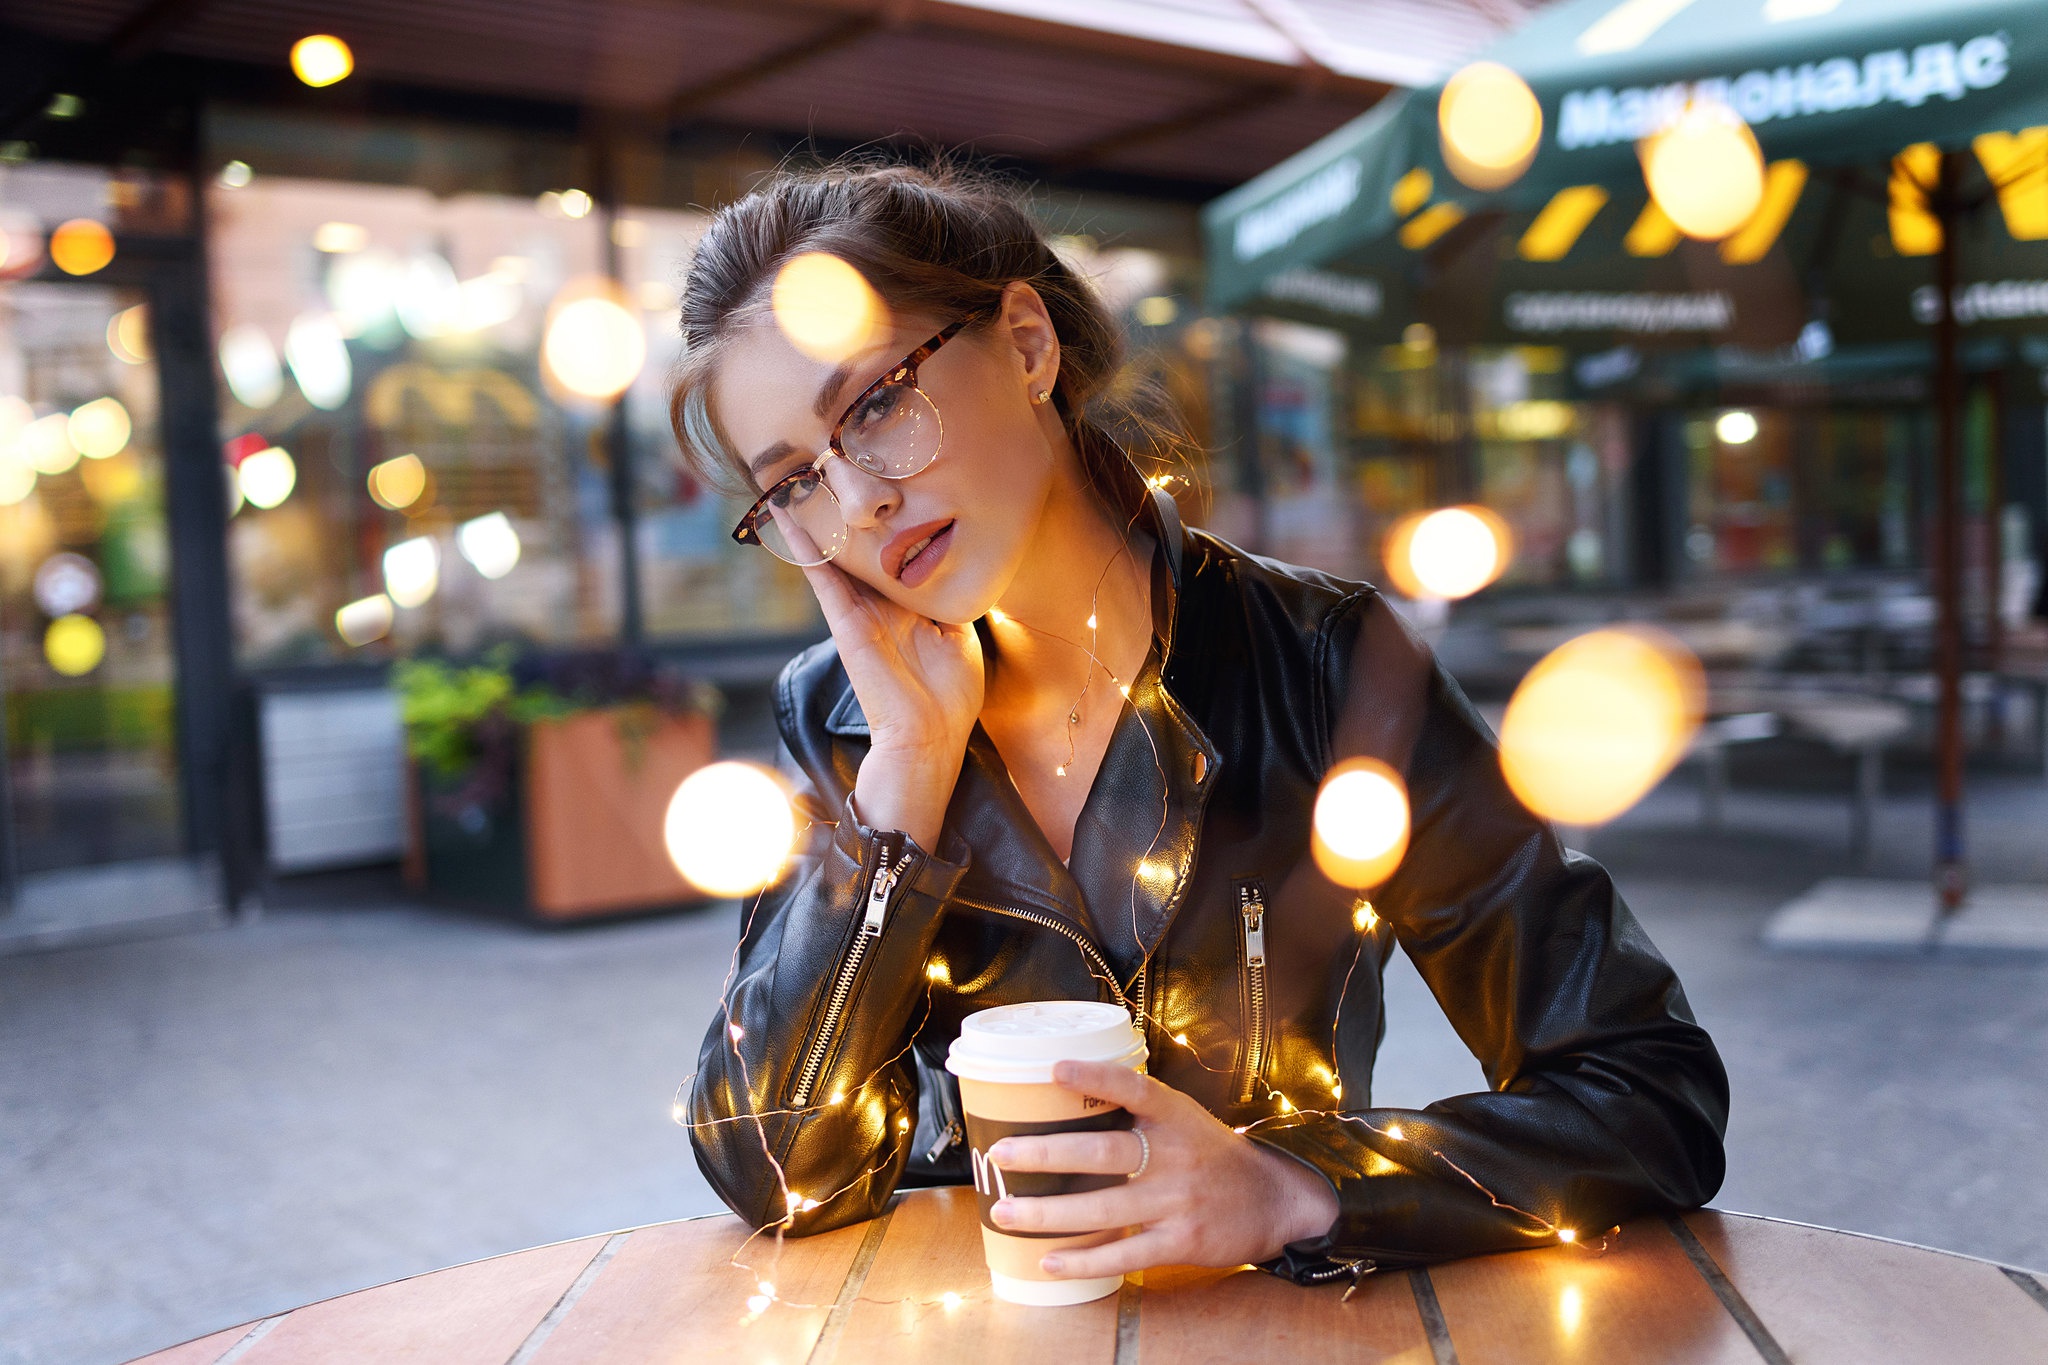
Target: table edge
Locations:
point(701, 1217)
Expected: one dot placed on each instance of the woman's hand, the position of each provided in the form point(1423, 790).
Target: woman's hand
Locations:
point(1209, 1196)
point(920, 686)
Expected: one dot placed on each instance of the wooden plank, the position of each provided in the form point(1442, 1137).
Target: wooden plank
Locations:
point(673, 1292)
point(933, 1248)
point(1189, 1315)
point(1835, 1297)
point(1641, 1299)
point(199, 1351)
point(474, 1314)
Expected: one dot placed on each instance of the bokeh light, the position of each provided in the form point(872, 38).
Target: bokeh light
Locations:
point(489, 543)
point(364, 620)
point(17, 477)
point(21, 243)
point(1736, 428)
point(398, 483)
point(1599, 722)
point(1447, 554)
point(593, 346)
point(314, 348)
point(128, 336)
point(65, 584)
point(74, 645)
point(251, 367)
point(1489, 125)
point(826, 308)
point(1361, 823)
point(412, 571)
point(267, 477)
point(729, 828)
point(100, 429)
point(1705, 172)
point(338, 238)
point(321, 59)
point(81, 246)
point(46, 444)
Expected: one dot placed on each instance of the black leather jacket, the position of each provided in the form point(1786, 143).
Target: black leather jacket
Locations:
point(820, 1088)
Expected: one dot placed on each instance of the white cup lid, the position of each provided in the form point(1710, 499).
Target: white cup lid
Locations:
point(1020, 1043)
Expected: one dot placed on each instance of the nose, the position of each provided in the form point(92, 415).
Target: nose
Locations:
point(864, 498)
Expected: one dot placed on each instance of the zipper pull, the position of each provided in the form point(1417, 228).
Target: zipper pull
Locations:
point(1254, 907)
point(887, 870)
point(947, 1137)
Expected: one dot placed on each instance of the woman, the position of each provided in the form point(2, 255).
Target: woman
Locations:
point(1061, 746)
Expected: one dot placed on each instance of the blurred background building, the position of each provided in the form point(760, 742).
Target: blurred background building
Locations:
point(316, 295)
point(271, 371)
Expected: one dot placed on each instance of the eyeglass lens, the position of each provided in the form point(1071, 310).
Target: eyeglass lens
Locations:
point(892, 433)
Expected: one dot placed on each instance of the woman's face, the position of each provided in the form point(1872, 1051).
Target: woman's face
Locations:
point(947, 541)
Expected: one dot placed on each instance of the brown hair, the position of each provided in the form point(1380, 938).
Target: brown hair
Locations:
point(942, 239)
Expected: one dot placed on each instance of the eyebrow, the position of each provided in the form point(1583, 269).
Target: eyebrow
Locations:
point(822, 405)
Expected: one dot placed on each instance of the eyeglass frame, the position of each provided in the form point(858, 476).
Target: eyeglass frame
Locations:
point(904, 371)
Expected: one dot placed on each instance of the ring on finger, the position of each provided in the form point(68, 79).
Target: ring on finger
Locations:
point(1144, 1153)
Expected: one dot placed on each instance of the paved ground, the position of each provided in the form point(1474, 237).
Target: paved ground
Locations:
point(199, 1130)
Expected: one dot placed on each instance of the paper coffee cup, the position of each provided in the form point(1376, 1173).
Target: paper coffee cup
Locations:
point(1004, 1059)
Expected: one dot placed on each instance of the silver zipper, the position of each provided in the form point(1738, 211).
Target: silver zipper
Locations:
point(1251, 900)
point(888, 869)
point(1096, 960)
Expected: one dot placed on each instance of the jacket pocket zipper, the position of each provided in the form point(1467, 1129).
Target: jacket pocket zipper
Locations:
point(1251, 903)
point(889, 867)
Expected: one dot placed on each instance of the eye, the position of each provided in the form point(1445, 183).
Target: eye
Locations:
point(877, 408)
point(794, 491)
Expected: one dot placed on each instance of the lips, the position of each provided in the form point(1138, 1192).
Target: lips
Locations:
point(914, 555)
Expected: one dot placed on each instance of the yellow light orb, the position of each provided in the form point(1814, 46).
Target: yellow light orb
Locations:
point(1456, 551)
point(46, 444)
point(74, 645)
point(81, 246)
point(1737, 428)
point(100, 429)
point(397, 484)
point(321, 59)
point(17, 478)
point(729, 828)
point(363, 620)
point(112, 481)
point(593, 346)
point(1599, 722)
point(826, 308)
point(128, 336)
point(1361, 822)
point(1705, 172)
point(1489, 125)
point(267, 477)
point(412, 571)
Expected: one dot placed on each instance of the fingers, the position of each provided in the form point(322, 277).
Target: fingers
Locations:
point(1120, 1257)
point(1120, 1206)
point(1134, 1090)
point(1116, 1153)
point(838, 595)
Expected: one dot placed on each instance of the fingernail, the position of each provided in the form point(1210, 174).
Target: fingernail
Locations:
point(1001, 1212)
point(1051, 1265)
point(1000, 1153)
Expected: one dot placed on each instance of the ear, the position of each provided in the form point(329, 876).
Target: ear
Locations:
point(1033, 339)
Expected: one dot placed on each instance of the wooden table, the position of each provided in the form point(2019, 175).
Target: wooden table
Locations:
point(1710, 1287)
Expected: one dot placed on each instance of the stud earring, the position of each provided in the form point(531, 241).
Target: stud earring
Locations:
point(1041, 396)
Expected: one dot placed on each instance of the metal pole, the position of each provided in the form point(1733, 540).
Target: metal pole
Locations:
point(1951, 876)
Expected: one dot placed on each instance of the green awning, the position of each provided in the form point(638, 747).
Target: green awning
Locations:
point(1367, 228)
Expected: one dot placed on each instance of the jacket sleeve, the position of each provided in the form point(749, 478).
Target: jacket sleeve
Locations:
point(1608, 1101)
point(818, 1151)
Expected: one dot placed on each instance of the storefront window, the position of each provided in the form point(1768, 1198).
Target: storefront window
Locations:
point(402, 474)
point(86, 664)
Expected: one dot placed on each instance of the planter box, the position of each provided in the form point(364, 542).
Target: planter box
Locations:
point(578, 833)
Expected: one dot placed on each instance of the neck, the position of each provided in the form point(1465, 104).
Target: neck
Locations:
point(1082, 563)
